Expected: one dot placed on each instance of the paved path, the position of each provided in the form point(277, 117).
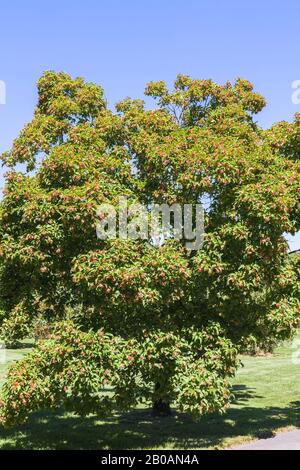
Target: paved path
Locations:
point(284, 441)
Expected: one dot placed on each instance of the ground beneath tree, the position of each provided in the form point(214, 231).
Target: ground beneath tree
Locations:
point(266, 389)
point(284, 441)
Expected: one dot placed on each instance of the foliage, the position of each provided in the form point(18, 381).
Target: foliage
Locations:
point(180, 316)
point(260, 409)
point(73, 368)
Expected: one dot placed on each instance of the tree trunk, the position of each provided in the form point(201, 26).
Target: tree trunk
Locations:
point(161, 408)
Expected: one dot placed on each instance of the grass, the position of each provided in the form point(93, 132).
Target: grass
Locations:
point(267, 391)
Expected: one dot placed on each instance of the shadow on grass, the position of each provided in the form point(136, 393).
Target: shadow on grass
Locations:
point(19, 345)
point(138, 429)
point(242, 393)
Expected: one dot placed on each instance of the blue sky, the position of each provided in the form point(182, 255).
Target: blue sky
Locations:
point(124, 44)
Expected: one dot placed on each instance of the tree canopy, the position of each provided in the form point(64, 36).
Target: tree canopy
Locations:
point(153, 324)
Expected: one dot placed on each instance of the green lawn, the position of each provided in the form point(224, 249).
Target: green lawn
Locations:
point(267, 393)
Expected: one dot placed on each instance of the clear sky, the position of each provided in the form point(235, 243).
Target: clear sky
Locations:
point(124, 44)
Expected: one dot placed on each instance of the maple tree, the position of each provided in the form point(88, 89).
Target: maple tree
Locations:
point(161, 324)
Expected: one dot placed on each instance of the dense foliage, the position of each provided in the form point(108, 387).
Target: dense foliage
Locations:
point(154, 324)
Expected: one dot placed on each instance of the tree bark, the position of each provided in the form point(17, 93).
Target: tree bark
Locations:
point(160, 407)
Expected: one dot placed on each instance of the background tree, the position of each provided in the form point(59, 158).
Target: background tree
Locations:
point(158, 324)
